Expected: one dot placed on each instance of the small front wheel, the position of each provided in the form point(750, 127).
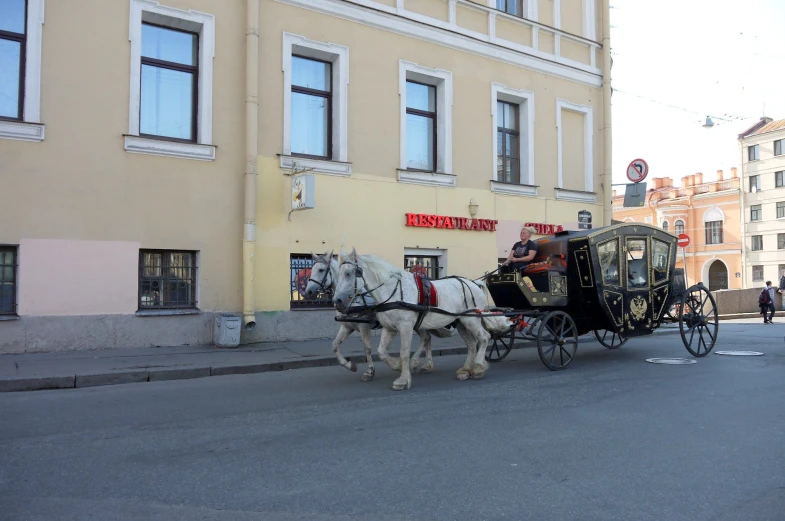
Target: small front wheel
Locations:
point(500, 346)
point(609, 339)
point(557, 340)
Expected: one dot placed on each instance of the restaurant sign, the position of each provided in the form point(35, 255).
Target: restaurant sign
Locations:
point(546, 229)
point(423, 220)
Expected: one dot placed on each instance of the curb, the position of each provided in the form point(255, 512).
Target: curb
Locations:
point(37, 383)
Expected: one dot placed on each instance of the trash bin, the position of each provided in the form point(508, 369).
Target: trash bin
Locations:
point(226, 332)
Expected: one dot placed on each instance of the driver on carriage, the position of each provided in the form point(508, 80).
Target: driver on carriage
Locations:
point(521, 253)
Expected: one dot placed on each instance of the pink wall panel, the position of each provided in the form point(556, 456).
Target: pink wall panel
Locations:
point(63, 277)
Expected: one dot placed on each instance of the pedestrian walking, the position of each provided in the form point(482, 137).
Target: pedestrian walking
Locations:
point(766, 302)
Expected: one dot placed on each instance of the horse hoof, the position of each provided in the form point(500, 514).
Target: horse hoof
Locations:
point(477, 375)
point(353, 367)
point(426, 369)
point(368, 375)
point(463, 376)
point(401, 383)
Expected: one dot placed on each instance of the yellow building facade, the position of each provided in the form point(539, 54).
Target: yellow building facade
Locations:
point(151, 181)
point(709, 213)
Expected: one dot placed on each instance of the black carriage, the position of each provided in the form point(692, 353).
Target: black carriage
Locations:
point(617, 281)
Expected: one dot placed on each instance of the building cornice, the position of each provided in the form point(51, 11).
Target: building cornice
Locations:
point(446, 34)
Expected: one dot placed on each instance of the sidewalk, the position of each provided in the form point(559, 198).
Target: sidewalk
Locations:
point(69, 369)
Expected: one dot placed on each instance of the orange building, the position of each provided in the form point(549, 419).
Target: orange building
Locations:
point(708, 212)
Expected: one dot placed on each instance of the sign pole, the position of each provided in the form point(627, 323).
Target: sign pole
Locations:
point(684, 256)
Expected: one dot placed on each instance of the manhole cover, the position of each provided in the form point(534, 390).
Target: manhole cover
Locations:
point(739, 353)
point(671, 361)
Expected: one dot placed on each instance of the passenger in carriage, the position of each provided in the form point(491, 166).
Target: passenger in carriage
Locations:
point(521, 253)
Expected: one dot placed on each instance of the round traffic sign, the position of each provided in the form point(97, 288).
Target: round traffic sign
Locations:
point(637, 170)
point(684, 240)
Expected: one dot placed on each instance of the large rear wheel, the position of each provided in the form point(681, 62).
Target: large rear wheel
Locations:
point(698, 321)
point(557, 340)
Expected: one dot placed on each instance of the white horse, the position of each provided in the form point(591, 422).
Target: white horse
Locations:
point(389, 284)
point(324, 273)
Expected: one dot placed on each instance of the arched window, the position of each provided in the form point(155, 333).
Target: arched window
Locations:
point(679, 227)
point(712, 222)
point(665, 225)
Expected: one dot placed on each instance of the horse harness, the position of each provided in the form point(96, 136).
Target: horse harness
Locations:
point(427, 296)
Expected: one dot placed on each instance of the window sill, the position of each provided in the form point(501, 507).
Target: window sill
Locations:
point(6, 318)
point(166, 312)
point(418, 177)
point(321, 166)
point(522, 190)
point(22, 131)
point(162, 147)
point(576, 196)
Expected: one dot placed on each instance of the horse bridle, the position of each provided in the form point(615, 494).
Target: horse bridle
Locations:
point(358, 274)
point(322, 284)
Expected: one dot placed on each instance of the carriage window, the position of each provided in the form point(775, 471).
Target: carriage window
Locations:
point(609, 261)
point(659, 260)
point(637, 276)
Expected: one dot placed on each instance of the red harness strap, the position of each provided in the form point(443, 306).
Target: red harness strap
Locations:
point(434, 299)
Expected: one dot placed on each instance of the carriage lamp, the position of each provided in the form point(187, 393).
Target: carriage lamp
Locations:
point(473, 207)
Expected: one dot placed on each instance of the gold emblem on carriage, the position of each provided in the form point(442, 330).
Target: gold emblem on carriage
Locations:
point(559, 286)
point(638, 308)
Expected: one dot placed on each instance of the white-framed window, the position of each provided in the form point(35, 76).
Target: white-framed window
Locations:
point(21, 31)
point(315, 105)
point(587, 195)
point(678, 227)
point(756, 242)
point(665, 225)
point(426, 125)
point(754, 183)
point(171, 103)
point(757, 273)
point(512, 112)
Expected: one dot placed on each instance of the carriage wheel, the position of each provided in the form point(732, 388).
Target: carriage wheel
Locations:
point(557, 340)
point(501, 346)
point(698, 321)
point(614, 341)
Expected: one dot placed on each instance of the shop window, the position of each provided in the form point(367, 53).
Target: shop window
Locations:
point(425, 266)
point(8, 280)
point(300, 265)
point(167, 280)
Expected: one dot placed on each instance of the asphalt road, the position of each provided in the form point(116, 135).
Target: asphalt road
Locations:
point(610, 438)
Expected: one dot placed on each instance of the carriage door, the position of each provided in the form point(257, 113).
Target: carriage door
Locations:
point(638, 312)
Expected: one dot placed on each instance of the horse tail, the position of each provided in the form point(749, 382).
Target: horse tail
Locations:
point(497, 323)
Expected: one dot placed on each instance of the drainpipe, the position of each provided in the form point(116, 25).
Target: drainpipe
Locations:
point(743, 218)
point(607, 166)
point(251, 153)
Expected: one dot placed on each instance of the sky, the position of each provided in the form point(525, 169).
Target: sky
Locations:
point(677, 61)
